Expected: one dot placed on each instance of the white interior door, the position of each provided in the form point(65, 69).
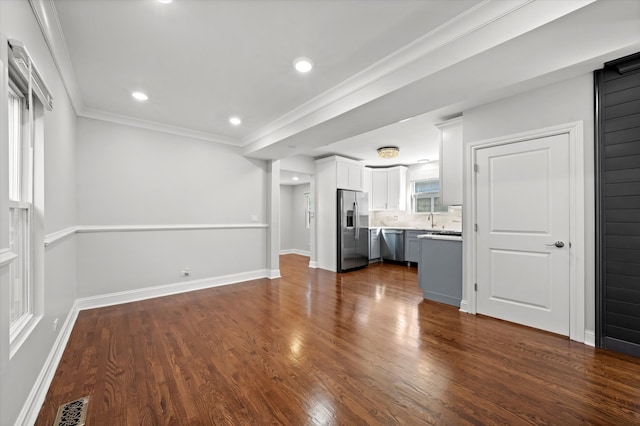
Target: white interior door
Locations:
point(522, 209)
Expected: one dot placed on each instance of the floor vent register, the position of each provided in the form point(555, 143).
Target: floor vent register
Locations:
point(72, 413)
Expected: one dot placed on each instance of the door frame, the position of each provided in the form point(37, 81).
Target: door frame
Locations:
point(576, 217)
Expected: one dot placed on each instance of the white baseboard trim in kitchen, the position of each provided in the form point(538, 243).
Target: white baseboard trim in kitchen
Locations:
point(313, 264)
point(166, 290)
point(32, 405)
point(464, 306)
point(590, 338)
point(287, 251)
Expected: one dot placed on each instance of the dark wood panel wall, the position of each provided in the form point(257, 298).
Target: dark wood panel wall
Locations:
point(617, 89)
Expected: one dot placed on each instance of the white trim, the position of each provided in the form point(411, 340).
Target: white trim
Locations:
point(273, 274)
point(47, 17)
point(59, 235)
point(296, 251)
point(34, 401)
point(85, 229)
point(177, 227)
point(464, 306)
point(449, 123)
point(156, 126)
point(7, 257)
point(590, 338)
point(576, 232)
point(166, 290)
point(313, 264)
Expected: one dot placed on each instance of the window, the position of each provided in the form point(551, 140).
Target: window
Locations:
point(426, 197)
point(27, 96)
point(20, 210)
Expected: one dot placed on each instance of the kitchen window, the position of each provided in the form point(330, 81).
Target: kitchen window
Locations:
point(426, 197)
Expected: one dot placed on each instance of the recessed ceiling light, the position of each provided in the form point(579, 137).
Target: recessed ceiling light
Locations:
point(140, 96)
point(303, 65)
point(165, 1)
point(235, 121)
point(295, 178)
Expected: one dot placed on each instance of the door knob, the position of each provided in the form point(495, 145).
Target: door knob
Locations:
point(558, 244)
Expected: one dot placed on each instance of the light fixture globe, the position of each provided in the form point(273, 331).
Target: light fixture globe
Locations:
point(388, 151)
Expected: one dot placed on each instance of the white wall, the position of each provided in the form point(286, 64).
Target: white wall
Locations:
point(130, 176)
point(564, 102)
point(286, 218)
point(294, 236)
point(24, 372)
point(301, 235)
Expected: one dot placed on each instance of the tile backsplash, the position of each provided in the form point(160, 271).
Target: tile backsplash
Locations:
point(451, 220)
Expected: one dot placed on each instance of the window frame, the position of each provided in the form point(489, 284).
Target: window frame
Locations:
point(432, 195)
point(20, 204)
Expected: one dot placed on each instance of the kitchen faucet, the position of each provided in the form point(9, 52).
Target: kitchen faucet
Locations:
point(430, 218)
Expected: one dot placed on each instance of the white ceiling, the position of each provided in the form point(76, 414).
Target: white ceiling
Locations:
point(202, 61)
point(376, 63)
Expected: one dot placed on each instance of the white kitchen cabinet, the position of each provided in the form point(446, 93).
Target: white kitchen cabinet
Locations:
point(388, 188)
point(451, 154)
point(349, 174)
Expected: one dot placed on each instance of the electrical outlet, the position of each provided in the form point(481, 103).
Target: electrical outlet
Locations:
point(55, 324)
point(186, 272)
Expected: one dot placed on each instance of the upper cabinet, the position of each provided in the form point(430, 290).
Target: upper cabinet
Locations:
point(349, 174)
point(388, 188)
point(451, 162)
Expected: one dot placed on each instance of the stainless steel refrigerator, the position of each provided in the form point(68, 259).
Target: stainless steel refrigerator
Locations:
point(353, 230)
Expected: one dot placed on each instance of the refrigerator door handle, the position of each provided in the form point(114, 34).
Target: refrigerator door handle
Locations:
point(356, 220)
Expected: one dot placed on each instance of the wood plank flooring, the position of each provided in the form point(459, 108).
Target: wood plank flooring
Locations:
point(314, 347)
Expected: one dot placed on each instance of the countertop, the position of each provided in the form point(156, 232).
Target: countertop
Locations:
point(441, 237)
point(412, 228)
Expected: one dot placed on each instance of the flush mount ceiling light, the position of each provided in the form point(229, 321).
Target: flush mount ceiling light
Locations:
point(165, 1)
point(303, 65)
point(139, 96)
point(388, 151)
point(235, 121)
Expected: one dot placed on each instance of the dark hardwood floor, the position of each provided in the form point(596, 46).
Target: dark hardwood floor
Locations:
point(316, 347)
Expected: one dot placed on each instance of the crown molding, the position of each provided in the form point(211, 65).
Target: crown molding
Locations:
point(419, 59)
point(47, 17)
point(488, 24)
point(154, 125)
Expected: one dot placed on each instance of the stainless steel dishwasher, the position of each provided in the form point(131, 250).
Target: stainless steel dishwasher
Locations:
point(393, 244)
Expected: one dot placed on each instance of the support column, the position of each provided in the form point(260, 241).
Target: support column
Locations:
point(273, 238)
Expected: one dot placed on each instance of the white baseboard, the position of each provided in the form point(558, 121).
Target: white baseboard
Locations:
point(464, 306)
point(313, 264)
point(273, 274)
point(32, 405)
point(296, 251)
point(590, 338)
point(166, 290)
